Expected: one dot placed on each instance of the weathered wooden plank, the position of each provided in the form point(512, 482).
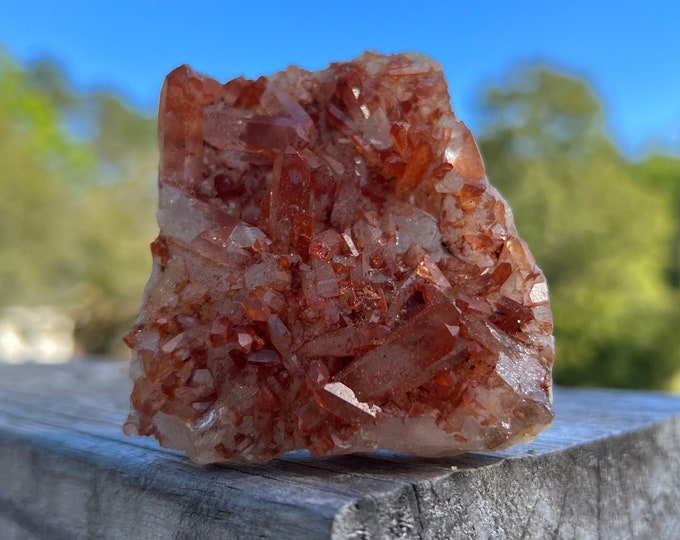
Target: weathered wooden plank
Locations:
point(608, 468)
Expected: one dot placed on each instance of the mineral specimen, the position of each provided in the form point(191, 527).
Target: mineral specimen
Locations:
point(334, 272)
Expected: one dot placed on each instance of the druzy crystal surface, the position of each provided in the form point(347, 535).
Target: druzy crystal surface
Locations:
point(334, 272)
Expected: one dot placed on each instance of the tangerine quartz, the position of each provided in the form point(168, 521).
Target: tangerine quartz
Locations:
point(334, 272)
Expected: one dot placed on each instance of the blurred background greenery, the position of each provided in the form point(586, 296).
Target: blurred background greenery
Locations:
point(77, 205)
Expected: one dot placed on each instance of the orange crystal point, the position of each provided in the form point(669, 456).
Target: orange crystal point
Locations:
point(334, 272)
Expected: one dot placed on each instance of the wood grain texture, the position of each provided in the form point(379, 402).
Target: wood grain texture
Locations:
point(608, 468)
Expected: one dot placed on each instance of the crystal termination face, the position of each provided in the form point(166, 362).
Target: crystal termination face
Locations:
point(334, 272)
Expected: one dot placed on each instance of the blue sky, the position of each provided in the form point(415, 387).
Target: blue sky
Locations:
point(629, 51)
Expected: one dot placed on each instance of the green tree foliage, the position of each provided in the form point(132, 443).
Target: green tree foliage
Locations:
point(119, 210)
point(42, 177)
point(76, 202)
point(603, 229)
point(662, 173)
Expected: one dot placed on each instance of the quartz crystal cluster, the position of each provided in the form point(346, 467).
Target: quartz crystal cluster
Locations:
point(334, 272)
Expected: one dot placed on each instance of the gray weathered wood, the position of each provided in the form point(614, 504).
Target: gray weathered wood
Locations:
point(608, 468)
